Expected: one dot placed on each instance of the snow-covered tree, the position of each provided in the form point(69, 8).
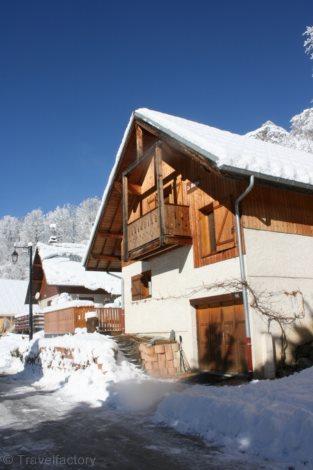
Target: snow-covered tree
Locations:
point(33, 228)
point(71, 224)
point(64, 219)
point(85, 216)
point(308, 43)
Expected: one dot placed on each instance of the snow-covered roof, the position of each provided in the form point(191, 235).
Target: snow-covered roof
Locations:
point(224, 149)
point(239, 152)
point(62, 265)
point(12, 297)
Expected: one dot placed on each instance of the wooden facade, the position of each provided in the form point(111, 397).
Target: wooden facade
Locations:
point(164, 189)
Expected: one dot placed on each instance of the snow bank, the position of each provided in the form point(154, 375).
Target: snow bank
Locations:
point(271, 419)
point(84, 365)
point(9, 350)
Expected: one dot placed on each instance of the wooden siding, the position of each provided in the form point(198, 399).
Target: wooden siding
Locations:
point(279, 210)
point(65, 320)
point(47, 291)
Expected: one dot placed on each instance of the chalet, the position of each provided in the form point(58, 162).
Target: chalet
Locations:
point(213, 234)
point(64, 290)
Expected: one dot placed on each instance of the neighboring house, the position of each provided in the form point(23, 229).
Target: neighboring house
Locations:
point(12, 302)
point(167, 221)
point(58, 276)
point(64, 290)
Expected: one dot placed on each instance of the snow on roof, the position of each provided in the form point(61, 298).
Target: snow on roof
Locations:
point(62, 265)
point(228, 151)
point(238, 152)
point(12, 297)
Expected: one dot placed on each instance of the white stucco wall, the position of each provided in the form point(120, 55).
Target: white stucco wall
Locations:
point(174, 282)
point(277, 263)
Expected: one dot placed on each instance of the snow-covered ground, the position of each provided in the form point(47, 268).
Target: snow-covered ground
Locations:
point(48, 416)
point(264, 424)
point(269, 419)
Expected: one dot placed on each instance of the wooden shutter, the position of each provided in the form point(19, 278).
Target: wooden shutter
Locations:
point(205, 245)
point(224, 227)
point(140, 286)
point(136, 287)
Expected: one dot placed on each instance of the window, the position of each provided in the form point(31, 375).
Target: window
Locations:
point(217, 232)
point(141, 286)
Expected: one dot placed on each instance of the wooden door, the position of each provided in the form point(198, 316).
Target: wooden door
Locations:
point(221, 336)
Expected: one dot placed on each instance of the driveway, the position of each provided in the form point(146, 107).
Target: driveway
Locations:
point(44, 429)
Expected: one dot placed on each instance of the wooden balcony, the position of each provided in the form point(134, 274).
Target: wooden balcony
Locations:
point(148, 236)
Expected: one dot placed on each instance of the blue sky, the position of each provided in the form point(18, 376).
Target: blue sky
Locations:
point(71, 72)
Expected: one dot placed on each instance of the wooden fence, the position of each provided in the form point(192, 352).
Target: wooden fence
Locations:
point(111, 320)
point(22, 323)
point(66, 320)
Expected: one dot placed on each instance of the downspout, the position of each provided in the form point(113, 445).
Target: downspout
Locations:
point(243, 274)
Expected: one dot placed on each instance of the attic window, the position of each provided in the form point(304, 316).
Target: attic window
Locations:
point(141, 286)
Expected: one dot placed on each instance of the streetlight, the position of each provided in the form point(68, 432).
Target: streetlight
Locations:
point(14, 258)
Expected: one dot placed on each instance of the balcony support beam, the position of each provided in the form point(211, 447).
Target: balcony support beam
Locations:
point(125, 217)
point(139, 142)
point(160, 192)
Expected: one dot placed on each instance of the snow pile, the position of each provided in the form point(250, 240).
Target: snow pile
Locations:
point(271, 419)
point(9, 352)
point(62, 266)
point(84, 365)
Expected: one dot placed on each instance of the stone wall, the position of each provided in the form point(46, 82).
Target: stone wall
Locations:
point(161, 360)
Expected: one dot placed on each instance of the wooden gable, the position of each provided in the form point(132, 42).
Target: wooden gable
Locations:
point(191, 180)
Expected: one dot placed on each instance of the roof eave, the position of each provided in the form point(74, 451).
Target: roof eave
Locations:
point(268, 178)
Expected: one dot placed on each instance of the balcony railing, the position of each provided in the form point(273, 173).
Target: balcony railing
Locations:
point(147, 237)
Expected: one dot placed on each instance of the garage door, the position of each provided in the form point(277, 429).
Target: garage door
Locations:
point(221, 336)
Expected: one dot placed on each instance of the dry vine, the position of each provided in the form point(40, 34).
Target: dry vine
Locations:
point(261, 301)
